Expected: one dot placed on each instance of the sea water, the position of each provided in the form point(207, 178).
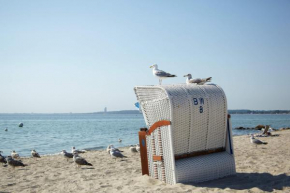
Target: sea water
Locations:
point(51, 133)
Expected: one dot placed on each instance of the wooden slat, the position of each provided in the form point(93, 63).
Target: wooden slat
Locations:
point(143, 151)
point(157, 158)
point(158, 124)
point(198, 153)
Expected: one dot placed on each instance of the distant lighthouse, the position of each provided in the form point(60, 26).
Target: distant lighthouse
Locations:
point(105, 110)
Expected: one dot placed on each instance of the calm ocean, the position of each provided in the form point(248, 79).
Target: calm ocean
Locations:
point(50, 133)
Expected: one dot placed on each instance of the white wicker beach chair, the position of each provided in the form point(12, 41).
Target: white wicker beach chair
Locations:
point(189, 137)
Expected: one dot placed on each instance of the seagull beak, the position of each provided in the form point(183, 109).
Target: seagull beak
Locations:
point(185, 75)
point(151, 66)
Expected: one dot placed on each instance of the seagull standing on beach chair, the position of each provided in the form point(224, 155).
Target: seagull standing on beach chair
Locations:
point(198, 81)
point(160, 74)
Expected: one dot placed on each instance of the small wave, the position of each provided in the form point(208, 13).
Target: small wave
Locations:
point(50, 154)
point(94, 148)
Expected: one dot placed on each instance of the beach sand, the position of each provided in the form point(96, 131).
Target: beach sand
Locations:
point(265, 168)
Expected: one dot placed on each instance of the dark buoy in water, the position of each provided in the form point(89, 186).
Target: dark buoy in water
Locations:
point(6, 129)
point(20, 125)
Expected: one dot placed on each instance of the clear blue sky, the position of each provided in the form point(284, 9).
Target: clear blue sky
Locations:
point(82, 56)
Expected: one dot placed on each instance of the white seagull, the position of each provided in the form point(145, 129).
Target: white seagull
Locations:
point(256, 141)
point(15, 155)
point(74, 150)
point(160, 74)
point(199, 81)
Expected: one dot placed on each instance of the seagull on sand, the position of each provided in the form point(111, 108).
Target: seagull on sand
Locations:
point(74, 150)
point(116, 154)
point(15, 163)
point(199, 81)
point(2, 159)
point(80, 161)
point(256, 141)
point(35, 154)
point(133, 149)
point(113, 148)
point(67, 155)
point(15, 155)
point(160, 74)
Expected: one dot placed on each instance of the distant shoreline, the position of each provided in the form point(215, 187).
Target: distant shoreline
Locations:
point(230, 112)
point(259, 111)
point(138, 112)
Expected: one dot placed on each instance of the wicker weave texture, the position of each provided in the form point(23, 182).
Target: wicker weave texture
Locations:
point(204, 168)
point(217, 118)
point(165, 151)
point(149, 156)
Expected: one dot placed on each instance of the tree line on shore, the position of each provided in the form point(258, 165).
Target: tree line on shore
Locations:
point(259, 111)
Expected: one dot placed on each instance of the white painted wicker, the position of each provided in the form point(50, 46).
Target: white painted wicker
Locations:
point(198, 115)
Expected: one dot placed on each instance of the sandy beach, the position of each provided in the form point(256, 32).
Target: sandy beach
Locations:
point(262, 169)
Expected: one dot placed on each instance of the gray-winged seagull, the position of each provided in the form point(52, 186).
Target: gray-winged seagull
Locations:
point(256, 141)
point(35, 154)
point(160, 74)
point(113, 148)
point(199, 81)
point(14, 163)
point(80, 161)
point(67, 155)
point(116, 154)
